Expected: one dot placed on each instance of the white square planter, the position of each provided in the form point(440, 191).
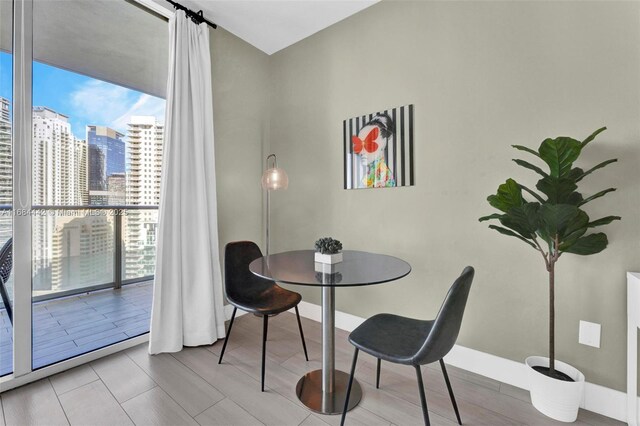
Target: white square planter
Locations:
point(328, 258)
point(328, 268)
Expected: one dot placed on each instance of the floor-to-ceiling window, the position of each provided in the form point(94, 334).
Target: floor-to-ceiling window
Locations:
point(96, 112)
point(6, 170)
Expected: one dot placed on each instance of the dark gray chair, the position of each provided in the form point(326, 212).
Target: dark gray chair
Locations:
point(253, 294)
point(6, 264)
point(414, 342)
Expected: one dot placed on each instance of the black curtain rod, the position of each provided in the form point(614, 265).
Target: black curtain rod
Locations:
point(196, 17)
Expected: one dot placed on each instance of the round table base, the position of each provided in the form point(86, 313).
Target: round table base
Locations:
point(309, 391)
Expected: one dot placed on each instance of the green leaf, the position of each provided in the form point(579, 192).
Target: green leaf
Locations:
point(597, 195)
point(590, 244)
point(576, 228)
point(536, 196)
point(508, 196)
point(559, 154)
point(556, 218)
point(557, 190)
point(489, 217)
point(546, 237)
point(593, 136)
point(511, 234)
point(575, 198)
point(593, 169)
point(530, 166)
point(525, 149)
point(575, 173)
point(603, 221)
point(523, 220)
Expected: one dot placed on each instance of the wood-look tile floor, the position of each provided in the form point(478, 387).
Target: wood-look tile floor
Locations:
point(74, 325)
point(190, 388)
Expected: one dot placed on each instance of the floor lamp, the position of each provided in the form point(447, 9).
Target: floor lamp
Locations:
point(273, 179)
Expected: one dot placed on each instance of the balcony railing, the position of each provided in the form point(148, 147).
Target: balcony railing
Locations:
point(78, 249)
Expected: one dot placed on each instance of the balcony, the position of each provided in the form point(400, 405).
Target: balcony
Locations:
point(89, 286)
point(68, 326)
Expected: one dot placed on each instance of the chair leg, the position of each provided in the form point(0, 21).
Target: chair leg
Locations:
point(265, 325)
point(346, 399)
point(453, 399)
point(423, 398)
point(226, 339)
point(304, 345)
point(378, 374)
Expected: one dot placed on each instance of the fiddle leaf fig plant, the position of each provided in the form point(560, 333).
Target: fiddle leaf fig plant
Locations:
point(550, 218)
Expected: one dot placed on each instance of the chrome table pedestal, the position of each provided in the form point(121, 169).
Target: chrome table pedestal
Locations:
point(324, 391)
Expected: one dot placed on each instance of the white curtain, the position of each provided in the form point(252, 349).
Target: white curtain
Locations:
point(187, 297)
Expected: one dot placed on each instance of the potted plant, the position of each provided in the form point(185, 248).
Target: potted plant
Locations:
point(328, 251)
point(552, 222)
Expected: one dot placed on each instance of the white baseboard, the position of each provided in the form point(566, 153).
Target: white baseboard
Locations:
point(599, 399)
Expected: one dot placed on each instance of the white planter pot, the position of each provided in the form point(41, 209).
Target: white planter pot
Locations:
point(555, 398)
point(328, 258)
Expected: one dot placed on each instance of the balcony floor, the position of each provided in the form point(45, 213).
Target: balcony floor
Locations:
point(73, 325)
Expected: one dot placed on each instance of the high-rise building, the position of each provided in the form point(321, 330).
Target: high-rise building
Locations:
point(97, 169)
point(59, 161)
point(59, 178)
point(145, 137)
point(106, 158)
point(6, 179)
point(82, 250)
point(98, 195)
point(116, 189)
point(144, 160)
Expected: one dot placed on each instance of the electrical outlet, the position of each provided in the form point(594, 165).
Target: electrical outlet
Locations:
point(589, 334)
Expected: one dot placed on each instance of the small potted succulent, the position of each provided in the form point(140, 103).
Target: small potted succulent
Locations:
point(328, 251)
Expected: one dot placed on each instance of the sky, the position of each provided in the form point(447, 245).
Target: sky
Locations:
point(83, 99)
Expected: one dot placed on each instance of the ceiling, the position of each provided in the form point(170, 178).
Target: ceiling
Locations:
point(272, 25)
point(96, 45)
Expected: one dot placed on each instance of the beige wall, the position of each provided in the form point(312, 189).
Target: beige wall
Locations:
point(240, 86)
point(482, 76)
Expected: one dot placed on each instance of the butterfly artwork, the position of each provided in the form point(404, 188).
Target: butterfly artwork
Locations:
point(378, 149)
point(368, 144)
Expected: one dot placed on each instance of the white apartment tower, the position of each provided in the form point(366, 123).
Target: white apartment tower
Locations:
point(59, 178)
point(59, 161)
point(6, 179)
point(145, 137)
point(144, 160)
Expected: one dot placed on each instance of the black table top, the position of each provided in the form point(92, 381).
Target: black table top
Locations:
point(356, 269)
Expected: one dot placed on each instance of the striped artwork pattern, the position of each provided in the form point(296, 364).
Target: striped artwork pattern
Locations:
point(398, 152)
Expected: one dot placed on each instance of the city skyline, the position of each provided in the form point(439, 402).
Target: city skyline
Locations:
point(72, 114)
point(85, 100)
point(75, 251)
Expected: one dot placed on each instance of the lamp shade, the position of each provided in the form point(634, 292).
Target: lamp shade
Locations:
point(274, 179)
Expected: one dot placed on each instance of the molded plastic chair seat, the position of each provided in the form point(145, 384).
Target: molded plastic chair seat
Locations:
point(414, 342)
point(253, 294)
point(391, 337)
point(271, 301)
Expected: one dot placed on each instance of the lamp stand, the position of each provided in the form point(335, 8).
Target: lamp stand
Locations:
point(268, 218)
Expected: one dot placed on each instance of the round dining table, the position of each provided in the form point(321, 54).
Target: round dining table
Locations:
point(324, 390)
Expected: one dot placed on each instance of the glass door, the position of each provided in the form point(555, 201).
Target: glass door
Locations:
point(81, 136)
point(96, 151)
point(6, 189)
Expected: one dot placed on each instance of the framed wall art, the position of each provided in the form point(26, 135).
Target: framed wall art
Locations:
point(378, 149)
